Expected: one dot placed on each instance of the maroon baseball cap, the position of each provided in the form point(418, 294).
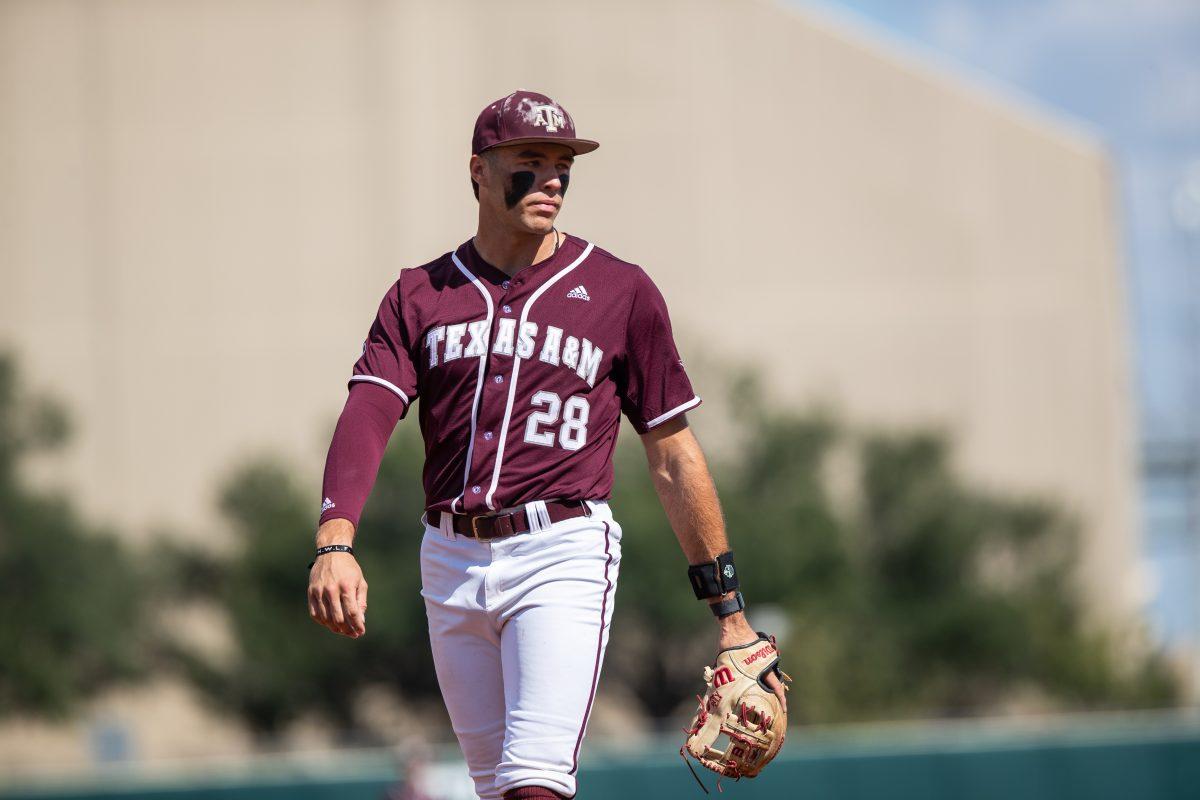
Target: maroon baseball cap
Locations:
point(526, 117)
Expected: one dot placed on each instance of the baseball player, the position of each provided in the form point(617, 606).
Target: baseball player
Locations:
point(525, 345)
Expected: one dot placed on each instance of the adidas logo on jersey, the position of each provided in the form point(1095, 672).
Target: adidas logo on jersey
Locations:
point(328, 504)
point(579, 293)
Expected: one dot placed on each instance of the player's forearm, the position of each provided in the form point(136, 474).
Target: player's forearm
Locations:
point(688, 495)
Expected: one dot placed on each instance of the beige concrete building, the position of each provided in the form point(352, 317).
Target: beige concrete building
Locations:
point(202, 202)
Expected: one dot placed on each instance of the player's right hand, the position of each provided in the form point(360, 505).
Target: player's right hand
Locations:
point(337, 594)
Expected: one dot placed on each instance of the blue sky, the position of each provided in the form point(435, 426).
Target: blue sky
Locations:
point(1131, 70)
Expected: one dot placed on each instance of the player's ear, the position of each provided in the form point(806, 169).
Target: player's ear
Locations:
point(479, 169)
point(483, 170)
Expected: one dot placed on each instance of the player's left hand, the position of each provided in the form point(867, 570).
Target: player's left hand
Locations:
point(744, 702)
point(735, 631)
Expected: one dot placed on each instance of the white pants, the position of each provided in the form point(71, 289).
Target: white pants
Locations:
point(518, 628)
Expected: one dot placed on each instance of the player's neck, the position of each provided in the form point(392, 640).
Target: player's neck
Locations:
point(511, 252)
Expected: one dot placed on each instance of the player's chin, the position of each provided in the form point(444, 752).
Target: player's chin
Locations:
point(539, 219)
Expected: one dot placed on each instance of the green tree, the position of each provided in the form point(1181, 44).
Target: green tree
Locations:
point(979, 593)
point(912, 594)
point(788, 543)
point(73, 607)
point(918, 596)
point(285, 665)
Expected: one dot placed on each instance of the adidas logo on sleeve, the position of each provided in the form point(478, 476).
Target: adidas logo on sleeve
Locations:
point(579, 293)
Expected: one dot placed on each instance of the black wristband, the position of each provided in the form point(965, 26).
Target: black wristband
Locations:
point(715, 578)
point(331, 548)
point(726, 607)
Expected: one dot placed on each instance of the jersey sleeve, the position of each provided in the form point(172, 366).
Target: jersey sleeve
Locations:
point(356, 450)
point(654, 386)
point(387, 357)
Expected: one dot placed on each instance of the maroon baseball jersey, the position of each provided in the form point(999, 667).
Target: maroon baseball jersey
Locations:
point(522, 380)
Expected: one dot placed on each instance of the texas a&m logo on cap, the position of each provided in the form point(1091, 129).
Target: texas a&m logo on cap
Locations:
point(543, 115)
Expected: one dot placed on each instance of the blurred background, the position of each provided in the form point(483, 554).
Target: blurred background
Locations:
point(935, 268)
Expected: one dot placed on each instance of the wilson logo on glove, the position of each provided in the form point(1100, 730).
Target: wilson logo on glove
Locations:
point(769, 650)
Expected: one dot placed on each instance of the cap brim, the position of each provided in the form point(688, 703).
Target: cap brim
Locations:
point(580, 146)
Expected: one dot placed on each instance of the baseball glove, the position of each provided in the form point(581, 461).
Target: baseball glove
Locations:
point(739, 704)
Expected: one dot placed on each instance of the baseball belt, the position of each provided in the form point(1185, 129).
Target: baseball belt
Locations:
point(493, 526)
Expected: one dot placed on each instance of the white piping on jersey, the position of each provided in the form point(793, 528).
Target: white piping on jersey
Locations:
point(512, 378)
point(383, 383)
point(679, 409)
point(487, 298)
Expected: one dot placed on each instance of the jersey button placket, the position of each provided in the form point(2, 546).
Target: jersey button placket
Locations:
point(495, 396)
point(484, 452)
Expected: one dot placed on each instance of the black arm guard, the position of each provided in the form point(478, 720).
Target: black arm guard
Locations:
point(714, 578)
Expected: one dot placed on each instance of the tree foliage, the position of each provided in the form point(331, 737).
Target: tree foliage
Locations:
point(73, 601)
point(916, 595)
point(908, 592)
point(285, 666)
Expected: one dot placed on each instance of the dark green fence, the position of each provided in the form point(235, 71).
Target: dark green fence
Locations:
point(1086, 761)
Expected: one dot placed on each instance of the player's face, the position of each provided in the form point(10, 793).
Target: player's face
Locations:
point(524, 184)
